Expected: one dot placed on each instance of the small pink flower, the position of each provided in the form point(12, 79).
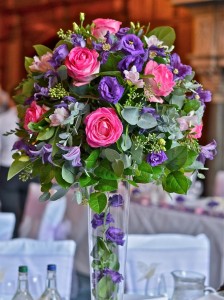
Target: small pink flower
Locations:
point(103, 127)
point(58, 117)
point(133, 77)
point(162, 83)
point(82, 64)
point(101, 26)
point(41, 64)
point(33, 114)
point(196, 132)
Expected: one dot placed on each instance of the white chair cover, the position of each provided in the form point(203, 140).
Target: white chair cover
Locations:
point(7, 225)
point(162, 253)
point(36, 255)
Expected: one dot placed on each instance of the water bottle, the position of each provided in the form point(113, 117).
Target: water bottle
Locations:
point(22, 292)
point(51, 292)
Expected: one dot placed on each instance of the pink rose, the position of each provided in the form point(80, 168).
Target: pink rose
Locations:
point(162, 83)
point(196, 132)
point(41, 64)
point(33, 114)
point(101, 26)
point(81, 64)
point(103, 127)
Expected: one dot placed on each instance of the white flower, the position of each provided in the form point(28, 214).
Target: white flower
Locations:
point(58, 117)
point(133, 77)
point(153, 41)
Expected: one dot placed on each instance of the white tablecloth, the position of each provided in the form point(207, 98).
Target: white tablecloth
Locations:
point(153, 220)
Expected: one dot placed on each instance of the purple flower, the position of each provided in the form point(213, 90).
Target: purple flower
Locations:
point(115, 276)
point(59, 55)
point(116, 200)
point(23, 146)
point(78, 40)
point(40, 91)
point(29, 100)
point(45, 152)
point(129, 61)
point(110, 90)
point(212, 203)
point(98, 219)
point(207, 152)
point(122, 31)
point(179, 70)
point(52, 77)
point(205, 96)
point(151, 111)
point(131, 44)
point(156, 51)
point(156, 158)
point(115, 235)
point(73, 154)
point(96, 276)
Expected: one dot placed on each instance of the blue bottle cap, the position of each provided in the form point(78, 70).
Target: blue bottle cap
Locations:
point(51, 267)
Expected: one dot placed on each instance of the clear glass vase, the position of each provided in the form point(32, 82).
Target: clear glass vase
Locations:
point(108, 235)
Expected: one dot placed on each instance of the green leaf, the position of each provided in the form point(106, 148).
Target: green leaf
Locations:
point(44, 197)
point(60, 180)
point(47, 172)
point(118, 167)
point(106, 185)
point(145, 167)
point(68, 172)
point(97, 202)
point(104, 171)
point(125, 142)
point(113, 262)
point(191, 157)
point(16, 167)
point(85, 180)
point(177, 100)
point(191, 105)
point(136, 153)
point(28, 62)
point(105, 288)
point(59, 194)
point(146, 121)
point(165, 34)
point(46, 134)
point(111, 154)
point(91, 160)
point(126, 160)
point(41, 49)
point(131, 115)
point(62, 72)
point(176, 182)
point(28, 87)
point(177, 157)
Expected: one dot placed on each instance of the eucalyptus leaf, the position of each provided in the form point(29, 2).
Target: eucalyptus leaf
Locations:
point(177, 100)
point(44, 197)
point(68, 173)
point(59, 194)
point(126, 160)
point(146, 121)
point(125, 142)
point(111, 154)
point(131, 115)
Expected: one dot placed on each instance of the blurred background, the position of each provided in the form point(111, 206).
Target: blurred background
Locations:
point(198, 24)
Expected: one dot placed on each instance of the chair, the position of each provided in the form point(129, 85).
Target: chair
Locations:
point(7, 225)
point(153, 257)
point(36, 255)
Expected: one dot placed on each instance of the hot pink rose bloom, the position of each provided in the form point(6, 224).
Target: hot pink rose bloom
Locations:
point(41, 64)
point(103, 127)
point(101, 26)
point(33, 114)
point(82, 64)
point(162, 83)
point(196, 132)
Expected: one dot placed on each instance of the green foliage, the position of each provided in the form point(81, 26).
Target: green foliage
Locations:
point(165, 34)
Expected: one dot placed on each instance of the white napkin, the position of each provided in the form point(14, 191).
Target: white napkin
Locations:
point(138, 297)
point(211, 297)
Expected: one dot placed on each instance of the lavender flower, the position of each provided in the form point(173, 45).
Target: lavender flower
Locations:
point(45, 152)
point(78, 40)
point(73, 154)
point(207, 152)
point(156, 51)
point(115, 276)
point(179, 70)
point(129, 61)
point(122, 31)
point(116, 200)
point(110, 90)
point(156, 158)
point(98, 219)
point(52, 78)
point(40, 91)
point(131, 44)
point(204, 96)
point(115, 235)
point(59, 55)
point(212, 203)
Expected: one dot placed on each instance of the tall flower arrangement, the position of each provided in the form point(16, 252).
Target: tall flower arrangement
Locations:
point(110, 103)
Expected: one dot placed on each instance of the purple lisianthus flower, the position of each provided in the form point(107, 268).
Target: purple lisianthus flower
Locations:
point(151, 111)
point(98, 219)
point(59, 55)
point(73, 154)
point(129, 61)
point(110, 89)
point(131, 44)
point(204, 96)
point(207, 152)
point(122, 31)
point(115, 276)
point(45, 152)
point(179, 70)
point(156, 158)
point(115, 235)
point(116, 200)
point(156, 51)
point(78, 40)
point(40, 91)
